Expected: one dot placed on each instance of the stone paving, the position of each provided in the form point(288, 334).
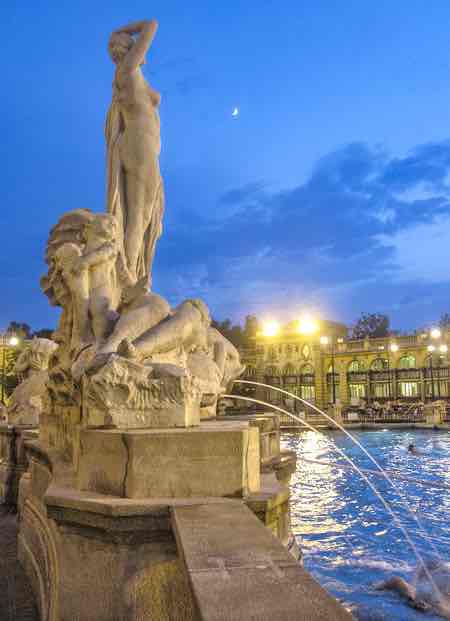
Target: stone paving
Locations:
point(16, 599)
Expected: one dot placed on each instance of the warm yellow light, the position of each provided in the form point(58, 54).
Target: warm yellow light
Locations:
point(443, 349)
point(435, 333)
point(324, 340)
point(271, 328)
point(431, 348)
point(13, 341)
point(306, 325)
point(393, 347)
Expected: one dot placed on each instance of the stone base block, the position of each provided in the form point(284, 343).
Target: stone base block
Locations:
point(214, 459)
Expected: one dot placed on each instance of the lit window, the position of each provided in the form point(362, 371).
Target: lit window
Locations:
point(408, 389)
point(407, 362)
point(357, 391)
point(380, 364)
point(355, 366)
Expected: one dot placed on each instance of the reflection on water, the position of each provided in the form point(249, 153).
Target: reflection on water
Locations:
point(348, 540)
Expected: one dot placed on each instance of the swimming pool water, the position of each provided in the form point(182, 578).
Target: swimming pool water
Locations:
point(348, 539)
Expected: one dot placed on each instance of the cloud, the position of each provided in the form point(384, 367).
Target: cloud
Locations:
point(362, 220)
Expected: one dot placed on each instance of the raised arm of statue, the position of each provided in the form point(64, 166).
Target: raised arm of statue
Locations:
point(135, 56)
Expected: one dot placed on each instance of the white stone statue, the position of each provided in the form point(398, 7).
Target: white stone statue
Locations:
point(31, 366)
point(134, 187)
point(125, 358)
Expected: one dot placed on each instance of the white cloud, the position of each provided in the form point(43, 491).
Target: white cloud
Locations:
point(422, 252)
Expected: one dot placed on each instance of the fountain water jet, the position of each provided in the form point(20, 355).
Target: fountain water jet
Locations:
point(358, 444)
point(396, 520)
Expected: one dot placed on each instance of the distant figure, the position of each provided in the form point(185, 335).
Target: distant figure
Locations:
point(413, 450)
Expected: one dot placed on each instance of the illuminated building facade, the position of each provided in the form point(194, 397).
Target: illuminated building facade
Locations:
point(323, 366)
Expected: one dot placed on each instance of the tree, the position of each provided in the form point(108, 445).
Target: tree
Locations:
point(444, 321)
point(250, 329)
point(45, 333)
point(21, 330)
point(230, 332)
point(373, 325)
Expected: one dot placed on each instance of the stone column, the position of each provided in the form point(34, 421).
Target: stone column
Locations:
point(335, 411)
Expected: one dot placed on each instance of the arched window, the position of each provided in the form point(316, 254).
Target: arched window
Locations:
point(307, 369)
point(407, 362)
point(250, 371)
point(356, 366)
point(380, 364)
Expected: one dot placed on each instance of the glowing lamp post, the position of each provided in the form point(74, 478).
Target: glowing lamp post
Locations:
point(307, 325)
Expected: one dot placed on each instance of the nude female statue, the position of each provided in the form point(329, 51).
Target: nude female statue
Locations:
point(135, 190)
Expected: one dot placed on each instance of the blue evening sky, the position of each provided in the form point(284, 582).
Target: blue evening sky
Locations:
point(329, 193)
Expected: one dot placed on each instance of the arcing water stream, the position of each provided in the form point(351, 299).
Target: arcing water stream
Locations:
point(395, 518)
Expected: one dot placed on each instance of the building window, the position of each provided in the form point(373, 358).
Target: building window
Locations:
point(407, 362)
point(380, 364)
point(280, 349)
point(308, 393)
point(355, 366)
point(381, 390)
point(357, 391)
point(408, 389)
point(307, 369)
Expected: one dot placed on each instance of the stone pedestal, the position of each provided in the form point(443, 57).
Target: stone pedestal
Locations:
point(102, 532)
point(214, 459)
point(435, 412)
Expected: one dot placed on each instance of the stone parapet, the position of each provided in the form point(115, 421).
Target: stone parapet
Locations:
point(213, 459)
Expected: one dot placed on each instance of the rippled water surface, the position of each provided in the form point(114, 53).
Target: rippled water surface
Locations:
point(348, 539)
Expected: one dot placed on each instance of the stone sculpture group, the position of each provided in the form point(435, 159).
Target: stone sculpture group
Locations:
point(27, 400)
point(124, 355)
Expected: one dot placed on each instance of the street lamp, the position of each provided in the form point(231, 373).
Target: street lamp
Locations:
point(325, 340)
point(5, 341)
point(307, 325)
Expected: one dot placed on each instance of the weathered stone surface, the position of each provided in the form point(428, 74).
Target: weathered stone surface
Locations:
point(215, 459)
point(13, 461)
point(127, 395)
point(27, 400)
point(239, 571)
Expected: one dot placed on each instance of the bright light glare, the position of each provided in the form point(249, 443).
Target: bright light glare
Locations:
point(435, 333)
point(306, 325)
point(393, 347)
point(13, 341)
point(324, 340)
point(443, 349)
point(271, 328)
point(431, 347)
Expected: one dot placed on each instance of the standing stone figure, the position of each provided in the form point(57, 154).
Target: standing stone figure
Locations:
point(135, 191)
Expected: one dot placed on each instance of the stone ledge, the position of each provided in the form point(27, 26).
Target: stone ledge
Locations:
point(238, 570)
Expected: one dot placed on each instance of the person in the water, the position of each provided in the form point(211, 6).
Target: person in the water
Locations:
point(422, 594)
